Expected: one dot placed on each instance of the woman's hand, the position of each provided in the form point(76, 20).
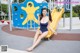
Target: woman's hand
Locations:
point(55, 33)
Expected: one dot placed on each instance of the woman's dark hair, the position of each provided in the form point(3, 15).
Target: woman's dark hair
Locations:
point(48, 11)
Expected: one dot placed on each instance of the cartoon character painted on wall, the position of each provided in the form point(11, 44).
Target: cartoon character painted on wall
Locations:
point(27, 13)
point(30, 10)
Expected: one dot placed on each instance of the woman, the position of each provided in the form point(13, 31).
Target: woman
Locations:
point(44, 22)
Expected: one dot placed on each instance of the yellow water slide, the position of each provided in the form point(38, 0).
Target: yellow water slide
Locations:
point(56, 16)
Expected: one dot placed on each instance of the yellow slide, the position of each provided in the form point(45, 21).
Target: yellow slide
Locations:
point(56, 16)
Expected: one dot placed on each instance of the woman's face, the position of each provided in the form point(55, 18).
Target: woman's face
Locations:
point(44, 12)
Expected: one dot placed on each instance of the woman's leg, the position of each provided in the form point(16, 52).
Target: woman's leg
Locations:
point(36, 35)
point(38, 40)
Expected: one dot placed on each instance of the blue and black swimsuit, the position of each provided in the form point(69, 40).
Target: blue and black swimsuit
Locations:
point(43, 27)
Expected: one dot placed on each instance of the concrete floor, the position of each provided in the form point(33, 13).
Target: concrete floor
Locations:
point(19, 44)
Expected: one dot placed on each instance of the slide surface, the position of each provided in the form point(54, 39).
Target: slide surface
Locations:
point(56, 16)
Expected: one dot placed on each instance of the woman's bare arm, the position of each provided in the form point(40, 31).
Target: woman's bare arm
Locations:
point(39, 19)
point(51, 28)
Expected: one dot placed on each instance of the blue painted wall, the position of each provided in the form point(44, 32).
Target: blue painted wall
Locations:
point(17, 21)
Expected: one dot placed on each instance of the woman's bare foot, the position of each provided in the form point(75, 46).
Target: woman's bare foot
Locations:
point(30, 49)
